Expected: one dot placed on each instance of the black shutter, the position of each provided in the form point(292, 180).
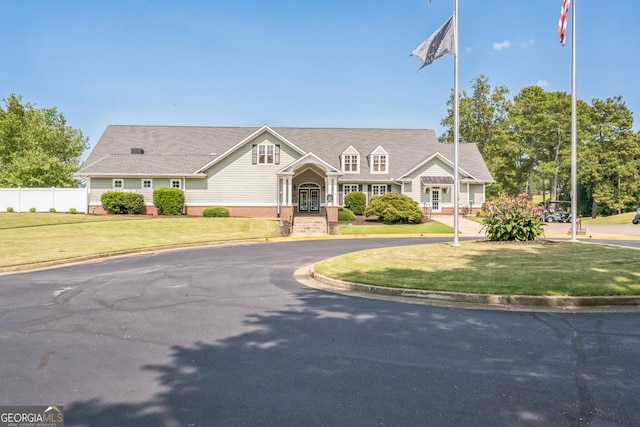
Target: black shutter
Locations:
point(277, 158)
point(254, 154)
point(388, 188)
point(359, 187)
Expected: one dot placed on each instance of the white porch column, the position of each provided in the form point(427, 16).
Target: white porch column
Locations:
point(290, 191)
point(468, 196)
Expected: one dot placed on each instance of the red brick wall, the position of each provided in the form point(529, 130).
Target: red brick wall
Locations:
point(286, 213)
point(332, 213)
point(239, 211)
point(99, 210)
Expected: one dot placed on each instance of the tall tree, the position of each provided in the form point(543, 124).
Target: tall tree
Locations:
point(483, 121)
point(529, 118)
point(37, 147)
point(610, 158)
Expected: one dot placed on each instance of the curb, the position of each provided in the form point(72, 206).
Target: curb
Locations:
point(471, 300)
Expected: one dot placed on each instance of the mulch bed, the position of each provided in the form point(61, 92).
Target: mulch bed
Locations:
point(523, 243)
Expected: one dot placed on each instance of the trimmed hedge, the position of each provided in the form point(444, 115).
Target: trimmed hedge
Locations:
point(122, 202)
point(356, 202)
point(169, 201)
point(345, 214)
point(216, 212)
point(393, 208)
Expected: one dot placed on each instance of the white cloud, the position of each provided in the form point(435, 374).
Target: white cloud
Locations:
point(503, 45)
point(527, 44)
point(542, 83)
point(468, 50)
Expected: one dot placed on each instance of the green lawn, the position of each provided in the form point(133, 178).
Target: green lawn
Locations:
point(624, 218)
point(492, 268)
point(432, 227)
point(37, 237)
point(536, 269)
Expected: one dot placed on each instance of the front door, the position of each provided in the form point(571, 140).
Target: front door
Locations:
point(314, 200)
point(303, 201)
point(435, 200)
point(309, 200)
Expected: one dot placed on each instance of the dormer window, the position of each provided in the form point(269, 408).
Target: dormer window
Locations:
point(379, 161)
point(266, 153)
point(351, 160)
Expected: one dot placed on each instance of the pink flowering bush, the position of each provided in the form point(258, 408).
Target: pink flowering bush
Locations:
point(513, 218)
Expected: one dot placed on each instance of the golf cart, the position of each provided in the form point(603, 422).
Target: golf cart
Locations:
point(555, 211)
point(636, 219)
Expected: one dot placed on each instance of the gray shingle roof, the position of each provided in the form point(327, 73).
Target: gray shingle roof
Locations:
point(182, 150)
point(436, 180)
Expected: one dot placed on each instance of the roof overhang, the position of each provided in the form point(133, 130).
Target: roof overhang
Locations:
point(140, 175)
point(436, 180)
point(306, 160)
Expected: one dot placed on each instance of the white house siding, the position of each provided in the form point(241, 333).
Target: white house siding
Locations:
point(235, 180)
point(101, 185)
point(415, 190)
point(477, 194)
point(97, 187)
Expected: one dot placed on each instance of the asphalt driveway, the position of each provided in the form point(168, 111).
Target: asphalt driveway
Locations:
point(225, 336)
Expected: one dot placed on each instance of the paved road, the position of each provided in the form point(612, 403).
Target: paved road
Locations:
point(224, 336)
point(553, 230)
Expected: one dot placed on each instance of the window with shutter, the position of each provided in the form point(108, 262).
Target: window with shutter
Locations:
point(267, 154)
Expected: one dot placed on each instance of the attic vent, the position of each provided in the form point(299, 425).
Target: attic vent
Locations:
point(137, 151)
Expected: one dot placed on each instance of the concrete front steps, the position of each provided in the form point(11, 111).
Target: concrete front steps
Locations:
point(309, 226)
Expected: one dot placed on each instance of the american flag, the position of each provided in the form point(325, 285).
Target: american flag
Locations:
point(562, 23)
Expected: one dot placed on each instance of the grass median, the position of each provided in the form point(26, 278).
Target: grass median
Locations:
point(553, 268)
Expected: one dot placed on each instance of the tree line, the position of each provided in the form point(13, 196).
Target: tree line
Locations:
point(526, 143)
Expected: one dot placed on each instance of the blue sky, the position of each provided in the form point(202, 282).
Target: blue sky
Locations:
point(330, 63)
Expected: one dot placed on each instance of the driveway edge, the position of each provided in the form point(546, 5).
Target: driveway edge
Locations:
point(471, 300)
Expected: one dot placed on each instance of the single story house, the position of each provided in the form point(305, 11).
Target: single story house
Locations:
point(280, 172)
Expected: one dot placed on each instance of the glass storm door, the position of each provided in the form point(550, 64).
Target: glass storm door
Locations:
point(315, 200)
point(435, 200)
point(303, 200)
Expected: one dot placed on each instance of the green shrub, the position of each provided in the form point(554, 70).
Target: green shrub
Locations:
point(122, 202)
point(32, 210)
point(393, 208)
point(133, 202)
point(512, 218)
point(9, 209)
point(169, 201)
point(216, 212)
point(345, 214)
point(52, 210)
point(73, 211)
point(356, 202)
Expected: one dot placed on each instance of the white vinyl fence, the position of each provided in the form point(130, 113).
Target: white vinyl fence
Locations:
point(43, 199)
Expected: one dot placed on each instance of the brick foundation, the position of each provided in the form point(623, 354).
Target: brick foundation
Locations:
point(99, 210)
point(238, 211)
point(286, 212)
point(332, 213)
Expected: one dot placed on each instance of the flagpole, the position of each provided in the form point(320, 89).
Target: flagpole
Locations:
point(456, 128)
point(574, 144)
